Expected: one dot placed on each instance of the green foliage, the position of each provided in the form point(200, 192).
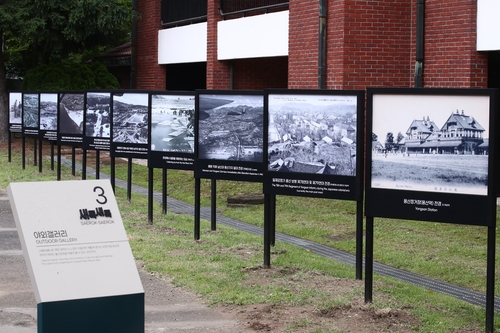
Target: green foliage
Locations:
point(69, 77)
point(49, 31)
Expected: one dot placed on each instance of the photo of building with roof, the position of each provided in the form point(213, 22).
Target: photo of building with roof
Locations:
point(461, 134)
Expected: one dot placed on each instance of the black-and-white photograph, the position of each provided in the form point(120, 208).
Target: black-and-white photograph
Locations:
point(130, 118)
point(314, 134)
point(97, 115)
point(48, 111)
point(71, 109)
point(430, 143)
point(172, 123)
point(31, 117)
point(230, 127)
point(15, 108)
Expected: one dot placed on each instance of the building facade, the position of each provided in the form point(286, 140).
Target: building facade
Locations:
point(310, 44)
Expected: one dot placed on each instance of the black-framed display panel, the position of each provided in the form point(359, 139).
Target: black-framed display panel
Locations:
point(71, 118)
point(229, 135)
point(31, 114)
point(314, 143)
point(466, 201)
point(97, 129)
point(129, 124)
point(15, 112)
point(49, 104)
point(171, 130)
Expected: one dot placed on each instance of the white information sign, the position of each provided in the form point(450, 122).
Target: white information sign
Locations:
point(73, 239)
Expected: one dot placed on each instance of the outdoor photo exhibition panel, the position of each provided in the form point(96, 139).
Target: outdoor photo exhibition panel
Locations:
point(71, 111)
point(97, 121)
point(31, 114)
point(430, 156)
point(129, 124)
point(314, 143)
point(15, 112)
point(171, 130)
point(229, 135)
point(48, 116)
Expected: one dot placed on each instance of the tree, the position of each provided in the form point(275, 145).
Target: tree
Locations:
point(389, 141)
point(51, 31)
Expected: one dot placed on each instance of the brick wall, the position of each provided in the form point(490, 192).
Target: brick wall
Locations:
point(371, 43)
point(218, 72)
point(451, 59)
point(260, 73)
point(149, 75)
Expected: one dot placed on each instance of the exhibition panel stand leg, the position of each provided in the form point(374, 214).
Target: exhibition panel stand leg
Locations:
point(24, 152)
point(490, 279)
point(129, 179)
point(51, 155)
point(84, 164)
point(150, 194)
point(197, 190)
point(9, 141)
point(267, 230)
point(35, 157)
point(369, 260)
point(164, 191)
point(97, 164)
point(213, 220)
point(359, 240)
point(73, 153)
point(272, 219)
point(40, 155)
point(58, 162)
point(112, 176)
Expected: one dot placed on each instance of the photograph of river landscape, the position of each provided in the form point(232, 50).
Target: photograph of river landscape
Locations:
point(172, 123)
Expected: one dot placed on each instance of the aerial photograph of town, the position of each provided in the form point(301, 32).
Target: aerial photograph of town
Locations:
point(97, 117)
point(312, 134)
point(430, 143)
point(130, 118)
point(31, 117)
point(48, 111)
point(230, 127)
point(172, 123)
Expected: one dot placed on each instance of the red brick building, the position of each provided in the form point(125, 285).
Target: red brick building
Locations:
point(257, 44)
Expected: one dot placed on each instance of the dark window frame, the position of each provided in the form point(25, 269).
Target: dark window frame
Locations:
point(238, 7)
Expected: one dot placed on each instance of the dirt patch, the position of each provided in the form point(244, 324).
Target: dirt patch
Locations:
point(334, 305)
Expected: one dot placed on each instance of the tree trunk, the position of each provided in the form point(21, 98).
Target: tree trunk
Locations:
point(4, 98)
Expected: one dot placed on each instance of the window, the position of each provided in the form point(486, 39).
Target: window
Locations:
point(228, 7)
point(182, 12)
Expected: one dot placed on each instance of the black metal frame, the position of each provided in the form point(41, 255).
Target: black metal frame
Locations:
point(183, 12)
point(243, 7)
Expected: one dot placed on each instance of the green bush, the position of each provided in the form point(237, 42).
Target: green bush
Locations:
point(69, 77)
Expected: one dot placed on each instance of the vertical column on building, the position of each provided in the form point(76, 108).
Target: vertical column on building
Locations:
point(369, 44)
point(303, 44)
point(149, 74)
point(450, 46)
point(218, 72)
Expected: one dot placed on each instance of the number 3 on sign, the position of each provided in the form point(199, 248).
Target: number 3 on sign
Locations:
point(100, 190)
